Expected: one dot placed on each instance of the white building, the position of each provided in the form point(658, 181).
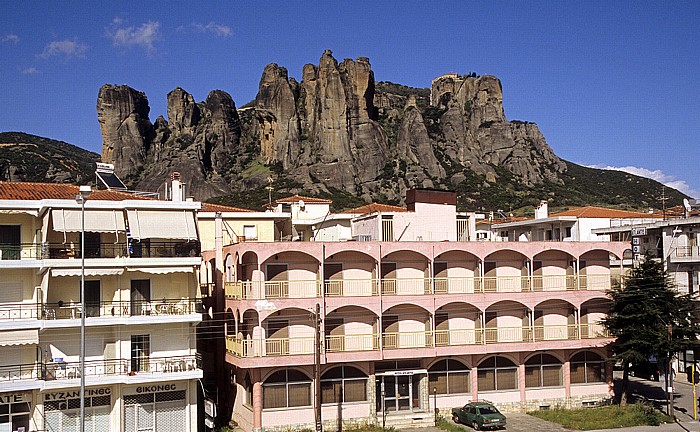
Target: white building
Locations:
point(577, 224)
point(141, 307)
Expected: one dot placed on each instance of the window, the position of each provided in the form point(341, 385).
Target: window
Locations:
point(250, 232)
point(62, 415)
point(481, 236)
point(567, 232)
point(343, 384)
point(449, 377)
point(248, 391)
point(140, 352)
point(286, 388)
point(10, 243)
point(587, 367)
point(543, 370)
point(150, 412)
point(497, 373)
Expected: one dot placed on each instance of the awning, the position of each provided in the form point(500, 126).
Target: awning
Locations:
point(161, 224)
point(101, 221)
point(162, 270)
point(88, 272)
point(19, 337)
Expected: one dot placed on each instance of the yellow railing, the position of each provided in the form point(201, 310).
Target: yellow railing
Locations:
point(271, 347)
point(408, 286)
point(418, 339)
point(595, 330)
point(416, 286)
point(351, 287)
point(348, 343)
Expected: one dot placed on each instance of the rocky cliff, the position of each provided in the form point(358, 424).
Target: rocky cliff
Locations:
point(334, 130)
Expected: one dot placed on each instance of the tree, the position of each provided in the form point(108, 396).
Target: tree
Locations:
point(649, 317)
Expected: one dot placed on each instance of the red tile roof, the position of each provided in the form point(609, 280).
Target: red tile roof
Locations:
point(374, 207)
point(39, 191)
point(297, 198)
point(602, 212)
point(209, 207)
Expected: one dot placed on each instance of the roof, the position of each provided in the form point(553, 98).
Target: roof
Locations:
point(502, 220)
point(308, 200)
point(374, 207)
point(602, 212)
point(209, 207)
point(29, 191)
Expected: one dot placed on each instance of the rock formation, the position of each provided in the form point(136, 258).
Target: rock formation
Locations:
point(331, 130)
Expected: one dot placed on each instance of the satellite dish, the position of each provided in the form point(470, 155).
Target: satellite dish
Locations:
point(686, 204)
point(302, 204)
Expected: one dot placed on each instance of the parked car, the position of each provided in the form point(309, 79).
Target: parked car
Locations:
point(479, 415)
point(648, 370)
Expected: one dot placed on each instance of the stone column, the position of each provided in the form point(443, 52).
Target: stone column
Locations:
point(521, 381)
point(475, 381)
point(567, 382)
point(257, 401)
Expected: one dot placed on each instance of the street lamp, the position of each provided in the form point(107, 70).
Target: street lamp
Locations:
point(80, 199)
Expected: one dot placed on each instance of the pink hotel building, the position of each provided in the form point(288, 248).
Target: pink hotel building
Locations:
point(408, 326)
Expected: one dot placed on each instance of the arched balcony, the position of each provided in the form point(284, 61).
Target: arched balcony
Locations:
point(406, 326)
point(593, 312)
point(350, 274)
point(351, 328)
point(456, 272)
point(288, 331)
point(555, 320)
point(507, 321)
point(553, 270)
point(458, 324)
point(405, 273)
point(241, 339)
point(506, 271)
point(594, 271)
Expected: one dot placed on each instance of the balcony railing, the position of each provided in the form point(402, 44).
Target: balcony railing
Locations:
point(20, 372)
point(127, 308)
point(13, 311)
point(349, 343)
point(171, 364)
point(242, 347)
point(145, 249)
point(257, 290)
point(20, 251)
point(687, 252)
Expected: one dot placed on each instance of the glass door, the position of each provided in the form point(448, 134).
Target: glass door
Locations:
point(401, 393)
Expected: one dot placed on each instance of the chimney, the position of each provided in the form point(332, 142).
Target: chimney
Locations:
point(542, 212)
point(177, 187)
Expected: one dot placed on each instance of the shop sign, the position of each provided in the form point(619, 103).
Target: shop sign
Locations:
point(10, 398)
point(156, 388)
point(74, 394)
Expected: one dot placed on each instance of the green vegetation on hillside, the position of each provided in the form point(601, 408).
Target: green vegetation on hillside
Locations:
point(25, 157)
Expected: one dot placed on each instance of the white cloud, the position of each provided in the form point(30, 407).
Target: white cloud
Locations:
point(66, 48)
point(657, 175)
point(10, 38)
point(220, 30)
point(30, 71)
point(144, 35)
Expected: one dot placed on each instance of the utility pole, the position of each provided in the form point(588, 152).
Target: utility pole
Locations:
point(317, 368)
point(670, 376)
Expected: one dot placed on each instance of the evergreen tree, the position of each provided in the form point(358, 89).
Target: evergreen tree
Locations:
point(649, 317)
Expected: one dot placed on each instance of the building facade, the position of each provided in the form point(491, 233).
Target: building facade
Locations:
point(141, 306)
point(407, 326)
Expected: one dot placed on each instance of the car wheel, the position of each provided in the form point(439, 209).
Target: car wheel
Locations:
point(455, 419)
point(475, 425)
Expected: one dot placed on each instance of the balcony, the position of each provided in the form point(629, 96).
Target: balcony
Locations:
point(258, 290)
point(149, 365)
point(174, 307)
point(21, 372)
point(273, 347)
point(16, 311)
point(685, 254)
point(146, 249)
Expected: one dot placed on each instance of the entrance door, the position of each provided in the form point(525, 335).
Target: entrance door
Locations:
point(140, 297)
point(92, 298)
point(401, 392)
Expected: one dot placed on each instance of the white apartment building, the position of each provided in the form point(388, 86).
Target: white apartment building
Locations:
point(141, 306)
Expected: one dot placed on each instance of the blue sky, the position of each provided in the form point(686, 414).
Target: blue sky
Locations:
point(610, 84)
